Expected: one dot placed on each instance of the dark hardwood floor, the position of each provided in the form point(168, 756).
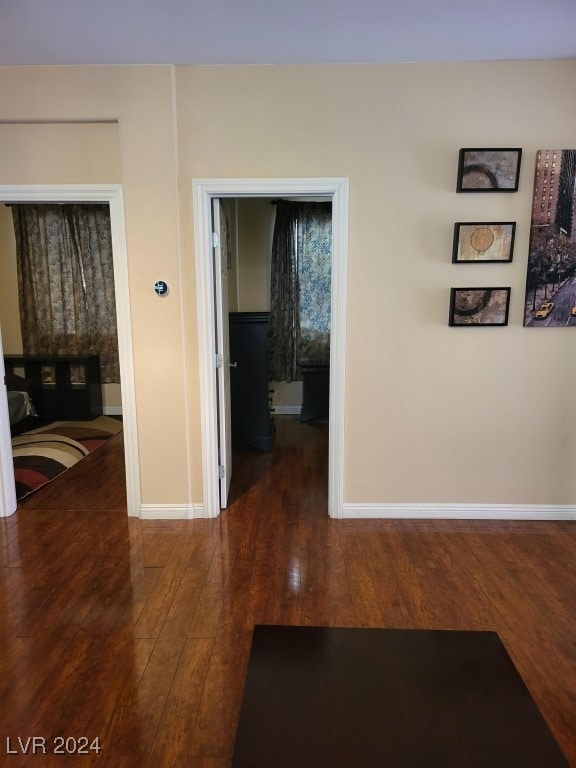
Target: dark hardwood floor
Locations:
point(137, 633)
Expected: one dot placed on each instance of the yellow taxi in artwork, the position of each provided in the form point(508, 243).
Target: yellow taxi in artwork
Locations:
point(573, 313)
point(544, 310)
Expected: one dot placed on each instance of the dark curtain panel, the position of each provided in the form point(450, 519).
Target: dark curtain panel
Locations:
point(299, 320)
point(66, 282)
point(283, 321)
point(315, 280)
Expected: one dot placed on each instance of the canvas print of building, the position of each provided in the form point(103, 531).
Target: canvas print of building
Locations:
point(551, 275)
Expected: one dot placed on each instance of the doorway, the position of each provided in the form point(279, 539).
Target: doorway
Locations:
point(204, 192)
point(112, 195)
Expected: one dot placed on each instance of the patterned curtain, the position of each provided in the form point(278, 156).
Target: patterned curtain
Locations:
point(283, 320)
point(314, 275)
point(299, 320)
point(66, 282)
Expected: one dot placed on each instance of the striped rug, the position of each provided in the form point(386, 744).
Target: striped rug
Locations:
point(43, 454)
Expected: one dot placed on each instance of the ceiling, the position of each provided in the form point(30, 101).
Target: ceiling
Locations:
point(283, 31)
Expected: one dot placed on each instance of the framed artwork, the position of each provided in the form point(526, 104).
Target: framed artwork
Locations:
point(476, 241)
point(550, 300)
point(488, 170)
point(479, 306)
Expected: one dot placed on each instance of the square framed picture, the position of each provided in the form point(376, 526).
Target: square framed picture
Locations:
point(476, 241)
point(479, 306)
point(489, 170)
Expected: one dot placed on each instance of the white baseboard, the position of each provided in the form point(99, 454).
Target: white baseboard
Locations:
point(171, 511)
point(287, 410)
point(564, 512)
point(112, 410)
point(459, 511)
point(165, 511)
point(198, 511)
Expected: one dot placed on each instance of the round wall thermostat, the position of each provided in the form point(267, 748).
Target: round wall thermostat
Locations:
point(161, 288)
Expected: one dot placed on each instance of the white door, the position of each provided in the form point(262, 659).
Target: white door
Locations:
point(220, 241)
point(7, 487)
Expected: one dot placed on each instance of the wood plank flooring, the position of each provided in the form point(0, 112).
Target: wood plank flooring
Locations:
point(137, 632)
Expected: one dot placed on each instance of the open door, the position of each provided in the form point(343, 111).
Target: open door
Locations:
point(220, 243)
point(204, 192)
point(7, 487)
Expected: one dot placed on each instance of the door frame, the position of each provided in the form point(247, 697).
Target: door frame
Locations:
point(93, 193)
point(222, 336)
point(203, 191)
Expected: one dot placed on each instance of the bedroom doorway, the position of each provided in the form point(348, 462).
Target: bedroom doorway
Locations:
point(112, 195)
point(205, 192)
point(277, 269)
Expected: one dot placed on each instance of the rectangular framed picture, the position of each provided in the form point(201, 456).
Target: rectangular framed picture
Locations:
point(550, 299)
point(476, 241)
point(479, 306)
point(488, 170)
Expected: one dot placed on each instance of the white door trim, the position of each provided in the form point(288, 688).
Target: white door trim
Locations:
point(7, 488)
point(220, 256)
point(203, 192)
point(111, 194)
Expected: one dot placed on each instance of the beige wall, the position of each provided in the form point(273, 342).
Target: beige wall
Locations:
point(255, 225)
point(9, 312)
point(433, 414)
point(58, 153)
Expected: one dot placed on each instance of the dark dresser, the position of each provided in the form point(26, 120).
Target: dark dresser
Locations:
point(251, 397)
point(315, 392)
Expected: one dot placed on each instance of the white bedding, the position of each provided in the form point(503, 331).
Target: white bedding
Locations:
point(19, 406)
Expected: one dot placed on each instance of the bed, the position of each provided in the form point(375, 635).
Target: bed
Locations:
point(21, 408)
